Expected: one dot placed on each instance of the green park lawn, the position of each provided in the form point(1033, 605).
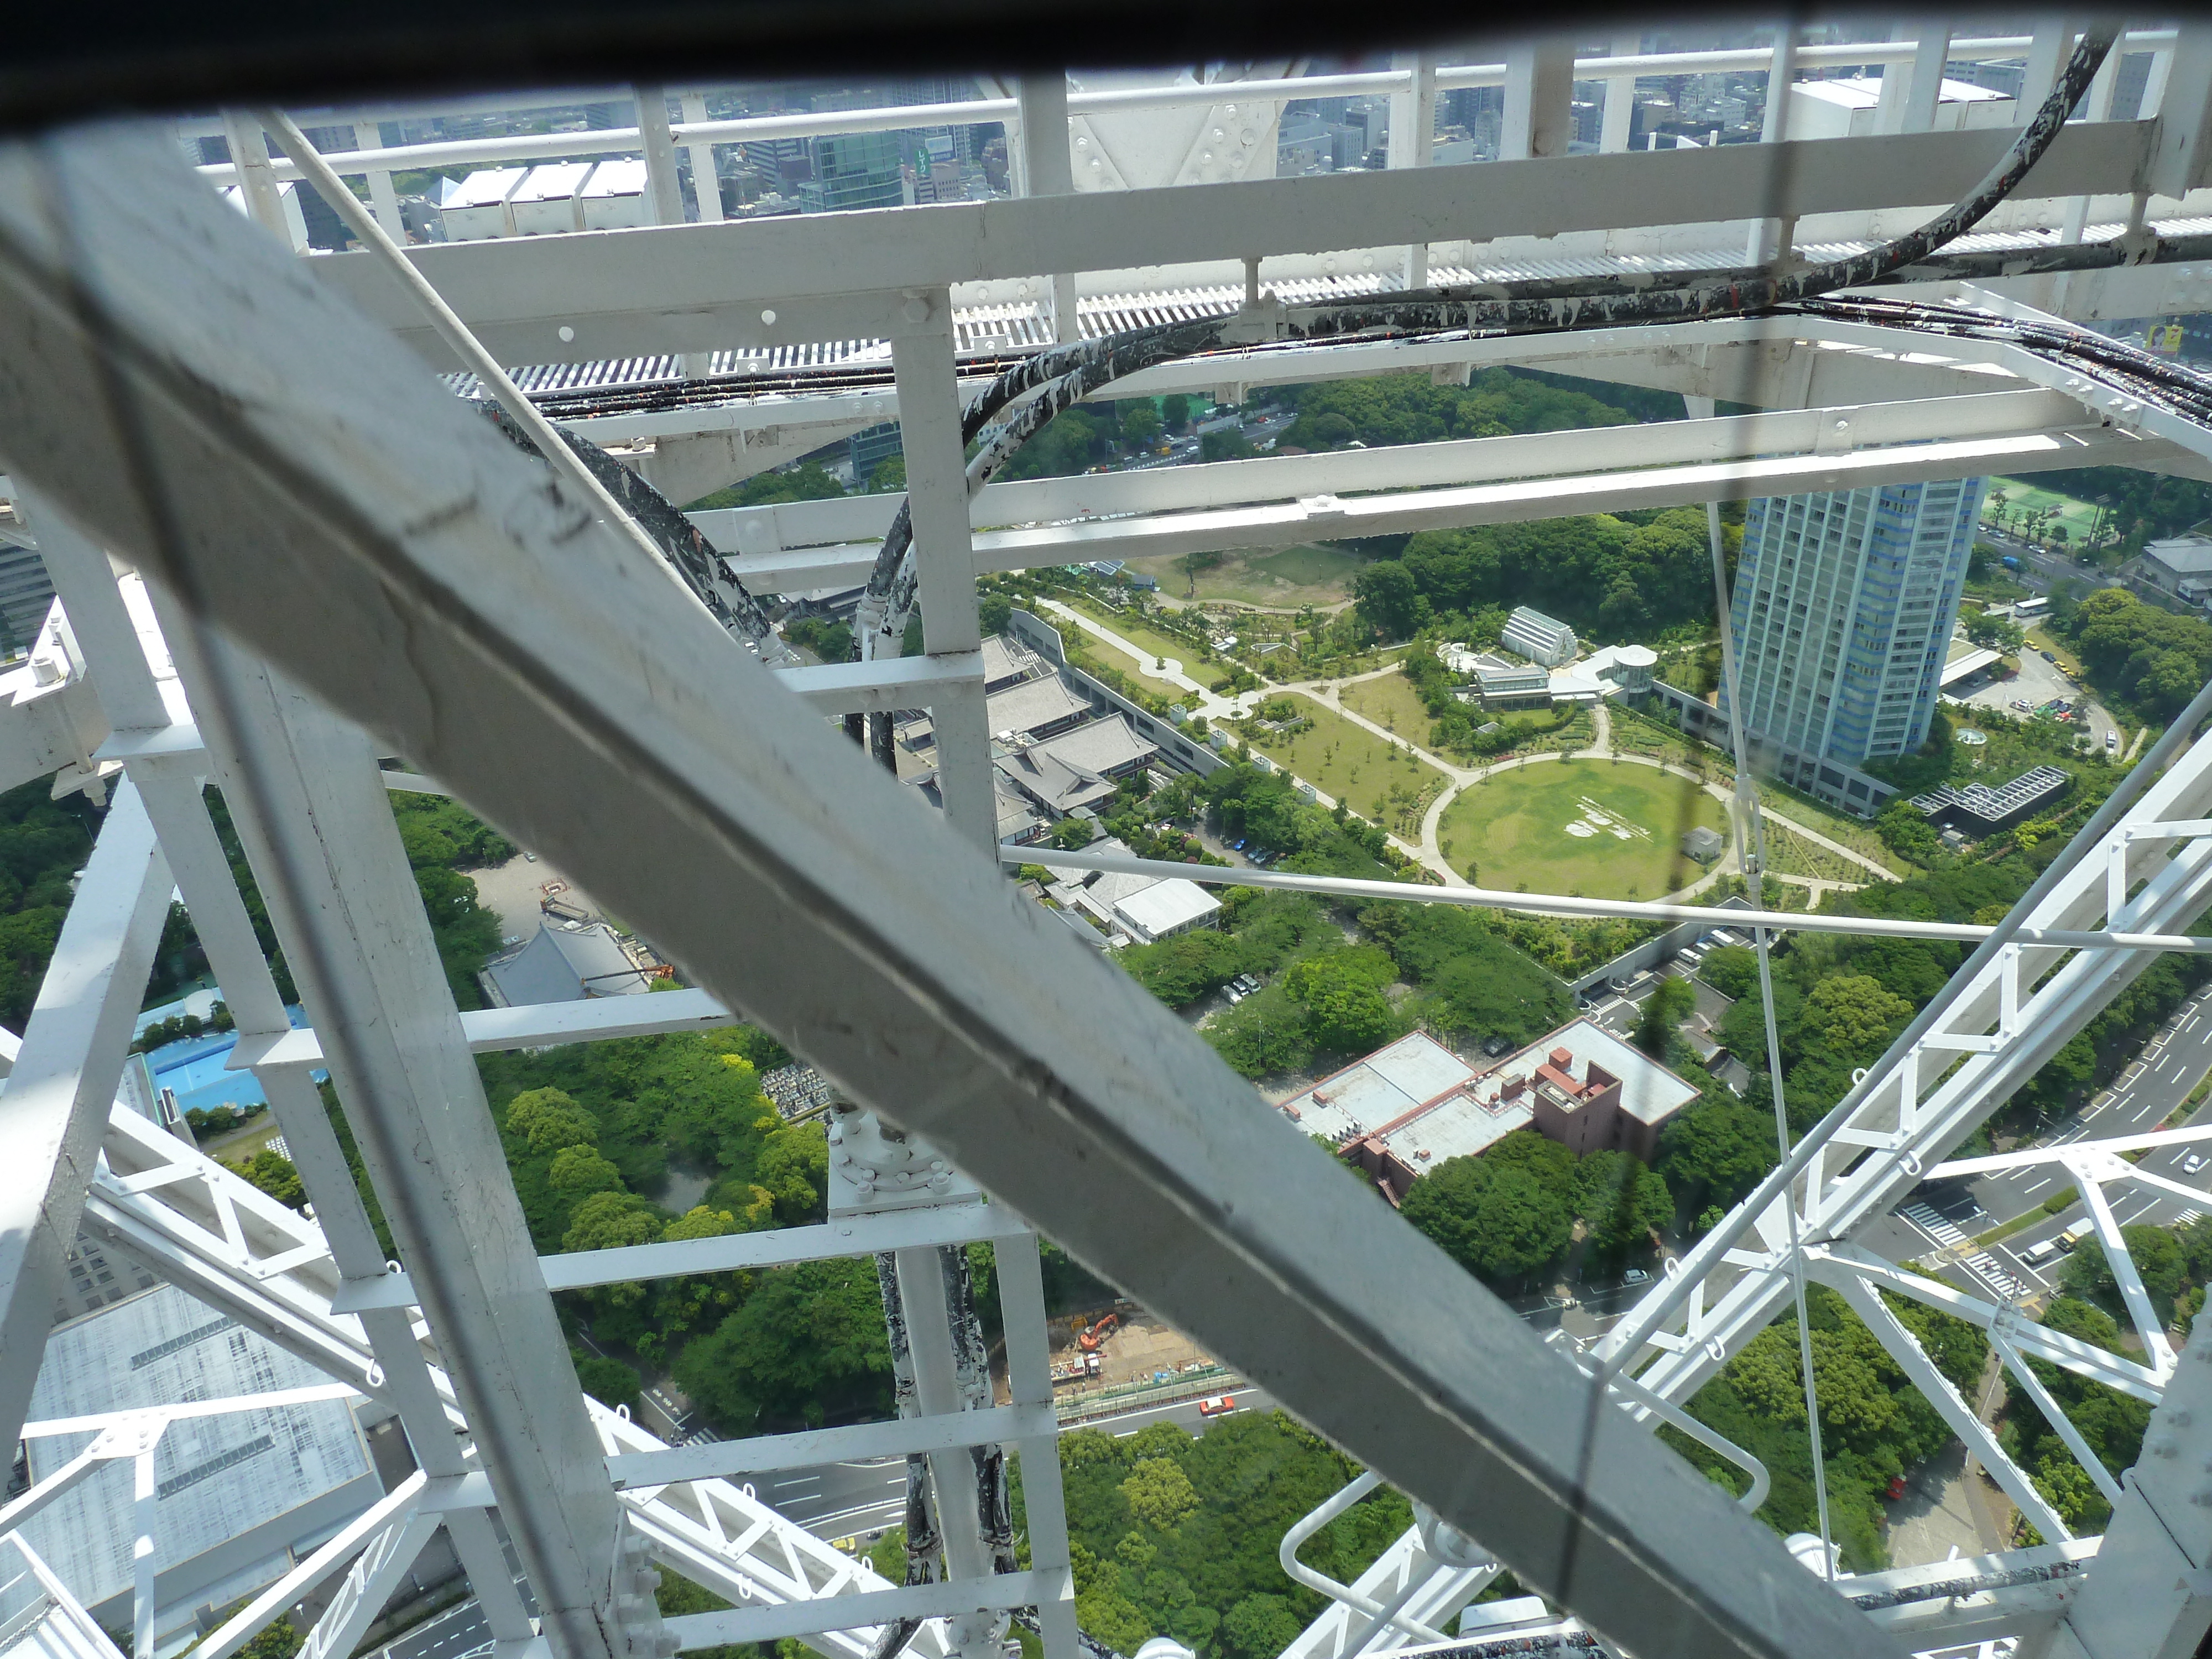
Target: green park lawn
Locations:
point(1511, 830)
point(1375, 779)
point(1390, 701)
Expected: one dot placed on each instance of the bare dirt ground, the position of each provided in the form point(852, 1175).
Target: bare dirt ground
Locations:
point(1132, 1352)
point(512, 891)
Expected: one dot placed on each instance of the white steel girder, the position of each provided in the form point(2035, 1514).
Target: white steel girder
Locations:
point(709, 286)
point(965, 990)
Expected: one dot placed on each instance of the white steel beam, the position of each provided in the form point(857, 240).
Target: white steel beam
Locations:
point(949, 1599)
point(718, 1460)
point(55, 1108)
point(1936, 1389)
point(346, 489)
point(688, 288)
point(1561, 904)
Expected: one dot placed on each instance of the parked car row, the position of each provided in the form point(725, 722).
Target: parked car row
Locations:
point(1240, 987)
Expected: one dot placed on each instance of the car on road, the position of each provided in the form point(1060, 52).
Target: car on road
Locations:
point(2048, 656)
point(2112, 742)
point(1495, 1046)
point(1636, 1276)
point(2035, 1255)
point(1219, 1405)
point(2192, 1163)
point(2023, 705)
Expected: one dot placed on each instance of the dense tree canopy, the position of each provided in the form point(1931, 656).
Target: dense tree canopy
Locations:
point(1177, 1536)
point(2140, 652)
point(1411, 409)
point(807, 1345)
point(1504, 1216)
point(1873, 1425)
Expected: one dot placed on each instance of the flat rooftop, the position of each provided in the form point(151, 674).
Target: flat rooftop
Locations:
point(1427, 1104)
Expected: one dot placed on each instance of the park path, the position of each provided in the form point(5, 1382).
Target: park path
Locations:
point(2136, 748)
point(1171, 670)
point(1819, 839)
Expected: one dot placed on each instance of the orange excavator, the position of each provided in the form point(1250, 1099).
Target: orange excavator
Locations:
point(1088, 1340)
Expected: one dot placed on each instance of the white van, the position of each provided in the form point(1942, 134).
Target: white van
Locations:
point(2036, 1255)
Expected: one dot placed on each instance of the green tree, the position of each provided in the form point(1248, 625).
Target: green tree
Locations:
point(1388, 601)
point(607, 1381)
point(1504, 1221)
point(1158, 1492)
point(1140, 426)
point(808, 481)
point(793, 1167)
point(549, 1120)
point(1621, 1203)
point(278, 1639)
point(1715, 1151)
point(610, 1220)
point(578, 1170)
point(889, 477)
point(274, 1173)
point(1731, 969)
point(1995, 633)
point(1174, 410)
point(1671, 1002)
point(1851, 1017)
point(807, 1345)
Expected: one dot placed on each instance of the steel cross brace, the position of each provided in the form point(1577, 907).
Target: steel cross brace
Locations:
point(349, 489)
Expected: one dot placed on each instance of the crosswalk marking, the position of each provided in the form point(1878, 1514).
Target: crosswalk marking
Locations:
point(1944, 1230)
point(1984, 1267)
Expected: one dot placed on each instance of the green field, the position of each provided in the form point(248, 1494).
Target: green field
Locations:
point(1513, 830)
point(1312, 573)
point(1390, 701)
point(1375, 779)
point(2076, 515)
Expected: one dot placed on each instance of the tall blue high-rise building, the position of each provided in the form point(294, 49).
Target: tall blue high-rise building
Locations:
point(1843, 604)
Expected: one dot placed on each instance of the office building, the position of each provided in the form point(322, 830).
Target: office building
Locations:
point(1844, 607)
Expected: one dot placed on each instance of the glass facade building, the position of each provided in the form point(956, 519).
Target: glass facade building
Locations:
point(1843, 604)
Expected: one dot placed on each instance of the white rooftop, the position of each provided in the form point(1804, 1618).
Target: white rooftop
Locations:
point(624, 176)
point(1165, 906)
point(217, 1477)
point(1427, 1104)
point(556, 181)
point(1861, 92)
point(487, 187)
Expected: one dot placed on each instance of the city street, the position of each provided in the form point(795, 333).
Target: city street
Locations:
point(2173, 1063)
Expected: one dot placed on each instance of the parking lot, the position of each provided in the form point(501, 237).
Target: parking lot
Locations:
point(2038, 683)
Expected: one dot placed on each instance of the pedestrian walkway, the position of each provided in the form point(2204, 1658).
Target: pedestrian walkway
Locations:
point(1979, 1263)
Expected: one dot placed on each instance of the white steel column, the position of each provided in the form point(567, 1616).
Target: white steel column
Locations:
point(1028, 1375)
point(170, 784)
point(320, 834)
point(952, 1473)
point(1540, 85)
point(1412, 138)
point(1924, 88)
point(249, 151)
point(55, 1108)
point(383, 199)
point(143, 1552)
point(705, 182)
point(1620, 101)
point(1770, 237)
point(1045, 168)
point(936, 498)
point(2150, 1595)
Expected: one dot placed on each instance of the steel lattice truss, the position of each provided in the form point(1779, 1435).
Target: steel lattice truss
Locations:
point(284, 549)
